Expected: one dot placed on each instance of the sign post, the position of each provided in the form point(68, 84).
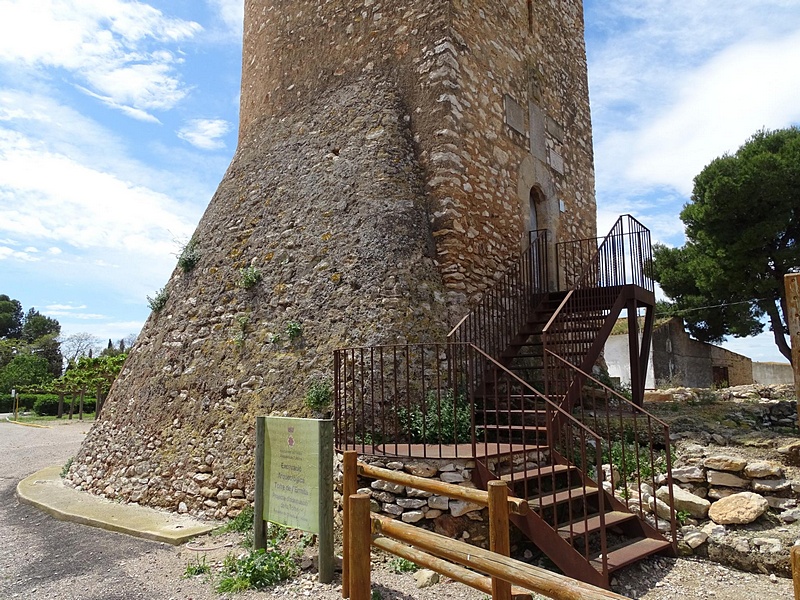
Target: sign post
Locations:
point(294, 481)
point(792, 286)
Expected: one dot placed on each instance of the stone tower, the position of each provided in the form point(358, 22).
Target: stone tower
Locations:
point(392, 158)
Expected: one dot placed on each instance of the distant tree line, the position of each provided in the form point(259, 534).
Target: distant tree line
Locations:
point(34, 357)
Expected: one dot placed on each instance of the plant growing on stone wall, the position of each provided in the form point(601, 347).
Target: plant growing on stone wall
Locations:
point(294, 329)
point(319, 395)
point(159, 301)
point(67, 465)
point(241, 335)
point(249, 277)
point(189, 255)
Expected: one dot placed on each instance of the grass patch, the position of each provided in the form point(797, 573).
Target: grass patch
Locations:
point(257, 569)
point(199, 567)
point(241, 523)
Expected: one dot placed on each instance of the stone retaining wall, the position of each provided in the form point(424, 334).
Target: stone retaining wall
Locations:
point(446, 516)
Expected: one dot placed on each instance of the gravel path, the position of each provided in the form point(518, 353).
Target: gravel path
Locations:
point(42, 558)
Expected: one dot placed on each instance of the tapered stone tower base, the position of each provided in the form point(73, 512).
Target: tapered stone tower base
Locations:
point(326, 204)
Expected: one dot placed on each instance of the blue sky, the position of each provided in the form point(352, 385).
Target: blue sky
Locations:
point(118, 119)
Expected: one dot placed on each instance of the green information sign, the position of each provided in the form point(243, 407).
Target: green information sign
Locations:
point(294, 481)
point(292, 472)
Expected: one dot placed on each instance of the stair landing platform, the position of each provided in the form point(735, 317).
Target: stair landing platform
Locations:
point(445, 451)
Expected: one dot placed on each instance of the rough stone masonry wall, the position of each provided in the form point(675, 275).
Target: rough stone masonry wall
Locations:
point(376, 188)
point(503, 78)
point(457, 65)
point(326, 205)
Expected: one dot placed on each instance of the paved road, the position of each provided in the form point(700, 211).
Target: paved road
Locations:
point(42, 558)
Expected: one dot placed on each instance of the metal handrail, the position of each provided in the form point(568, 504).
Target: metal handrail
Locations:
point(506, 305)
point(634, 409)
point(609, 267)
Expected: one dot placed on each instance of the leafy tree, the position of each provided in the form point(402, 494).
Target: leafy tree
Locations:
point(10, 317)
point(742, 233)
point(25, 369)
point(36, 325)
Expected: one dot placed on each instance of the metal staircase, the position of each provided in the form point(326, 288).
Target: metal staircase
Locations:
point(513, 388)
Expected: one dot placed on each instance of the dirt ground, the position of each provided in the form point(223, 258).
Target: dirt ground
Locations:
point(42, 558)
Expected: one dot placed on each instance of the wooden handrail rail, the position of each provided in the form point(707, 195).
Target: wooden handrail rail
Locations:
point(516, 506)
point(445, 555)
point(529, 577)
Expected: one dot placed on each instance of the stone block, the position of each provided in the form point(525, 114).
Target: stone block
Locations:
point(763, 469)
point(411, 503)
point(514, 115)
point(721, 462)
point(685, 501)
point(726, 479)
point(454, 477)
point(689, 473)
point(459, 508)
point(412, 516)
point(738, 509)
point(439, 502)
point(421, 469)
point(771, 486)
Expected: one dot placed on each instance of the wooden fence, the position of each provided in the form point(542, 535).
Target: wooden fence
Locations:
point(452, 558)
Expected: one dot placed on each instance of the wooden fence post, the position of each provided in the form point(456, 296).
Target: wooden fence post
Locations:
point(795, 559)
point(499, 538)
point(360, 541)
point(349, 485)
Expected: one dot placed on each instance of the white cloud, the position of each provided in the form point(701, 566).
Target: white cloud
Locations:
point(719, 105)
point(206, 134)
point(64, 307)
point(674, 84)
point(232, 14)
point(7, 253)
point(79, 206)
point(115, 47)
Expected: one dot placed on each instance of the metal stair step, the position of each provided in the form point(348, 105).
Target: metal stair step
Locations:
point(629, 552)
point(535, 473)
point(580, 527)
point(548, 499)
point(625, 554)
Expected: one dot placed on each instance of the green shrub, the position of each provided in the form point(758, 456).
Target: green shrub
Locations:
point(256, 570)
point(159, 301)
point(624, 457)
point(25, 402)
point(249, 277)
point(241, 523)
point(46, 405)
point(189, 256)
point(449, 422)
point(319, 395)
point(402, 565)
